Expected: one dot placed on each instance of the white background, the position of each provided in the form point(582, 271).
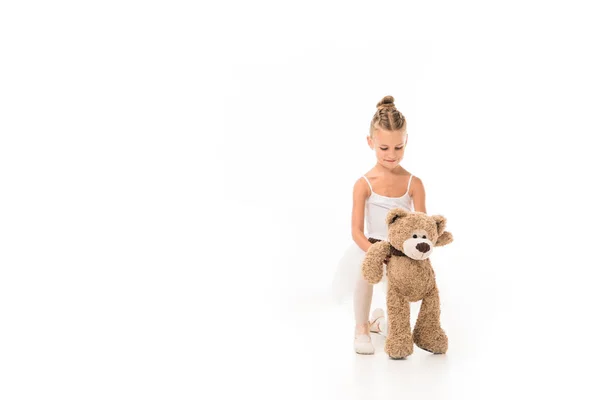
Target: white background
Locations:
point(176, 191)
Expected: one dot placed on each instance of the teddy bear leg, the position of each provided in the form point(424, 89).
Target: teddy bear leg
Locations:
point(399, 343)
point(428, 333)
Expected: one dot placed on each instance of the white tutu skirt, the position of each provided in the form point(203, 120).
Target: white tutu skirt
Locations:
point(349, 271)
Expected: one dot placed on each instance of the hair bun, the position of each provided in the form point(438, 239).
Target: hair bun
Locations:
point(386, 102)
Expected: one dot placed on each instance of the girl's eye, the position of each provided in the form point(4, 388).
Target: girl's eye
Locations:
point(383, 148)
point(398, 148)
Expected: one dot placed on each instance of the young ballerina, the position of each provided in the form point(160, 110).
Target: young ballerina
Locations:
point(387, 185)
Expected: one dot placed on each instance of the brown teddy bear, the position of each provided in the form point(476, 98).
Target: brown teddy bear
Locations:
point(411, 239)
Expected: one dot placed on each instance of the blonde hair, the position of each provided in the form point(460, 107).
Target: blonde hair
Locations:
point(387, 117)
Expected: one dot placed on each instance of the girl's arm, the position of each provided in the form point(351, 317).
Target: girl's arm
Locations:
point(359, 197)
point(418, 195)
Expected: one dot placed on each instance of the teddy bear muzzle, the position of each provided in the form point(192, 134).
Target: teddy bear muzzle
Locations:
point(418, 249)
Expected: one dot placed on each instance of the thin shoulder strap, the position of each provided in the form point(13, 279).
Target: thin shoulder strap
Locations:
point(368, 183)
point(409, 180)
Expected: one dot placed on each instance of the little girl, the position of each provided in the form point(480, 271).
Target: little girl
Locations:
point(387, 185)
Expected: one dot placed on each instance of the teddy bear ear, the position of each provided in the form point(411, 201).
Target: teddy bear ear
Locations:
point(440, 221)
point(394, 214)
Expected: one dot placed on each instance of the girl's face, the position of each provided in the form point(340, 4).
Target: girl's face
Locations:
point(389, 147)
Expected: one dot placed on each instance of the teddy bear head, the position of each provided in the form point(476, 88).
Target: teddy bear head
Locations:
point(416, 233)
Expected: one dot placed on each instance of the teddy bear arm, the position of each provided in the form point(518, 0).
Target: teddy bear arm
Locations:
point(444, 239)
point(372, 266)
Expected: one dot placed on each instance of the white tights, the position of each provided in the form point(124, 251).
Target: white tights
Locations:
point(363, 294)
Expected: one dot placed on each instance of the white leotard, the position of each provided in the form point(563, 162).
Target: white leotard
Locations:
point(377, 208)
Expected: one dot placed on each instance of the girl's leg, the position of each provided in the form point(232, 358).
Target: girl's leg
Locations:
point(363, 294)
point(363, 297)
point(378, 324)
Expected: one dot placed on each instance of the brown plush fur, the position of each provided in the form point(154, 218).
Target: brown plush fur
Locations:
point(409, 280)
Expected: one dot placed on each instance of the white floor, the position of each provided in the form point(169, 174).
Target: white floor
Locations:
point(332, 370)
point(309, 355)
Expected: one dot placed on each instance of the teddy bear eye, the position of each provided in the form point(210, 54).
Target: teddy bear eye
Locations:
point(414, 236)
point(424, 237)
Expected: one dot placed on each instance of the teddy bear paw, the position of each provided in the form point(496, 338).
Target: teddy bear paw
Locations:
point(398, 348)
point(433, 341)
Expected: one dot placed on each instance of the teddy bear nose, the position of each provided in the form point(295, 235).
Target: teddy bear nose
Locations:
point(423, 247)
